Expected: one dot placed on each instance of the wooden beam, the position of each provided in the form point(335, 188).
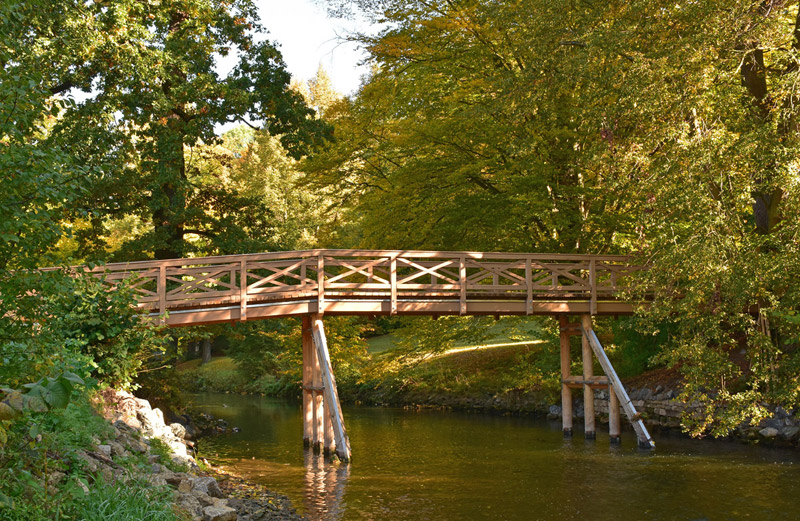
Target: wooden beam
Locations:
point(462, 283)
point(331, 393)
point(242, 290)
point(566, 392)
point(308, 376)
point(393, 284)
point(588, 391)
point(613, 416)
point(318, 400)
point(321, 284)
point(630, 411)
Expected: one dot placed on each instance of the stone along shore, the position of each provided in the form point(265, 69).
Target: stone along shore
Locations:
point(200, 495)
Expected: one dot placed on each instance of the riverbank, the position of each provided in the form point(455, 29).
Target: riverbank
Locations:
point(114, 458)
point(199, 492)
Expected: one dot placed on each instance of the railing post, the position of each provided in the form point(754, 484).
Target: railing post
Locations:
point(320, 284)
point(462, 282)
point(243, 290)
point(593, 286)
point(162, 292)
point(393, 285)
point(529, 287)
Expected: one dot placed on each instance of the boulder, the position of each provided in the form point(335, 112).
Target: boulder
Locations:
point(206, 485)
point(178, 430)
point(105, 450)
point(190, 504)
point(768, 432)
point(219, 513)
point(790, 433)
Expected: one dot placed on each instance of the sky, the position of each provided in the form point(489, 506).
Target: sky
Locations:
point(307, 37)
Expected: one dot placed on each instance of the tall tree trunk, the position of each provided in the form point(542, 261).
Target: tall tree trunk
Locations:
point(169, 197)
point(206, 351)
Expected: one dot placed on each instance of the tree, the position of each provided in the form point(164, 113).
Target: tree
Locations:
point(660, 129)
point(149, 75)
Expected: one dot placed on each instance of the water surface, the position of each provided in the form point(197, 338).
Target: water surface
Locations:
point(417, 465)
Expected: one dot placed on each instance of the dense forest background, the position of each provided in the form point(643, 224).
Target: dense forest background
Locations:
point(667, 131)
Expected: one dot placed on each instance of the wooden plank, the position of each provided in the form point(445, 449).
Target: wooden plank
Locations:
point(320, 284)
point(593, 284)
point(462, 281)
point(393, 285)
point(331, 393)
point(529, 287)
point(588, 391)
point(566, 392)
point(317, 399)
point(630, 411)
point(308, 375)
point(162, 291)
point(613, 416)
point(242, 290)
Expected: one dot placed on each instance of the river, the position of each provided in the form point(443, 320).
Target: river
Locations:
point(448, 466)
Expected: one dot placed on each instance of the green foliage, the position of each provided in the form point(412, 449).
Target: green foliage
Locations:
point(660, 129)
point(41, 443)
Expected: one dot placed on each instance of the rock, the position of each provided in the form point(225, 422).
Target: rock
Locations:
point(190, 504)
point(176, 478)
point(790, 433)
point(768, 432)
point(772, 422)
point(157, 480)
point(153, 458)
point(106, 474)
point(203, 498)
point(105, 450)
point(135, 445)
point(117, 449)
point(219, 513)
point(87, 462)
point(185, 486)
point(178, 430)
point(206, 485)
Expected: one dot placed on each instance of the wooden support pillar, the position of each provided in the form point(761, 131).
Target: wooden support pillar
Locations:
point(332, 404)
point(318, 404)
point(588, 372)
point(566, 391)
point(309, 355)
point(613, 416)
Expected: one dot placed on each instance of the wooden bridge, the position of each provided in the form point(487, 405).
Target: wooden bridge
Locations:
point(314, 283)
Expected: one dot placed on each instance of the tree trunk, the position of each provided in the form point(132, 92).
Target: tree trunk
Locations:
point(206, 351)
point(168, 201)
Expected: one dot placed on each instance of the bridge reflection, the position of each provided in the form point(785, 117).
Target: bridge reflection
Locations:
point(325, 484)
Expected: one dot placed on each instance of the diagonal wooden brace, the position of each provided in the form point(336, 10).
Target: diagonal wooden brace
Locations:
point(630, 411)
point(332, 404)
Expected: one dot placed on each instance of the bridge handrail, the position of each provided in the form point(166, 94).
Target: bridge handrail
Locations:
point(164, 285)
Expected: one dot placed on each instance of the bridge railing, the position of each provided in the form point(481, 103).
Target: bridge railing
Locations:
point(391, 275)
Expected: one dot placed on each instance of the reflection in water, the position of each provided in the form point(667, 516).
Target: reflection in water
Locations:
point(325, 484)
point(430, 465)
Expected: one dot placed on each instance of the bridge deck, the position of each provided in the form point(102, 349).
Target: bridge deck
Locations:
point(369, 282)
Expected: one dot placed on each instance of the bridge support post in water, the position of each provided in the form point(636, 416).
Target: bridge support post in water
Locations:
point(615, 384)
point(309, 355)
point(332, 405)
point(613, 416)
point(566, 391)
point(588, 373)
